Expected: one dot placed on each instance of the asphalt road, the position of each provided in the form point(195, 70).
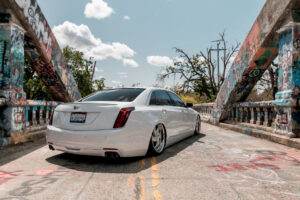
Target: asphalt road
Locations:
point(219, 164)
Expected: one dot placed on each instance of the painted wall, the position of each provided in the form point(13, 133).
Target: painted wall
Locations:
point(257, 52)
point(48, 59)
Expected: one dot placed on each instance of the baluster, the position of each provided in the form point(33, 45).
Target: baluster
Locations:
point(34, 112)
point(258, 115)
point(248, 115)
point(237, 114)
point(266, 116)
point(233, 113)
point(42, 115)
point(27, 123)
point(273, 117)
point(242, 119)
point(47, 114)
point(232, 118)
point(253, 115)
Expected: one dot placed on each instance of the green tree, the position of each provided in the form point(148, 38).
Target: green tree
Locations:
point(200, 72)
point(33, 85)
point(82, 69)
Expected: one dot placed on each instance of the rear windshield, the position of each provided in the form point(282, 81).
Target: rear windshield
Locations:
point(124, 94)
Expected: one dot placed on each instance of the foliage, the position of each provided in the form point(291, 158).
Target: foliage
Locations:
point(189, 99)
point(82, 70)
point(256, 96)
point(33, 86)
point(199, 72)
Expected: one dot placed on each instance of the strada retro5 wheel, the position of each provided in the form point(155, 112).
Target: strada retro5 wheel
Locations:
point(158, 140)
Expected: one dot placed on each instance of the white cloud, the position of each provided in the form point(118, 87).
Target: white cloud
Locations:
point(98, 77)
point(130, 63)
point(126, 17)
point(81, 38)
point(160, 61)
point(123, 74)
point(117, 83)
point(98, 9)
point(178, 59)
point(98, 70)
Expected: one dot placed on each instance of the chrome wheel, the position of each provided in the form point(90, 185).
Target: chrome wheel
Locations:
point(198, 125)
point(158, 139)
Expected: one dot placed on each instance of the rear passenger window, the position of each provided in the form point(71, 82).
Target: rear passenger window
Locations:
point(176, 100)
point(160, 97)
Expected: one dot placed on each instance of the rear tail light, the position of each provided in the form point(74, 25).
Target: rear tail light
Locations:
point(123, 117)
point(51, 118)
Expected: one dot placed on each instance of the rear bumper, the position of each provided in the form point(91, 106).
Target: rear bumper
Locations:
point(125, 141)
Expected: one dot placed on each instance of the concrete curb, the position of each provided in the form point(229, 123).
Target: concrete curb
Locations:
point(290, 142)
point(20, 138)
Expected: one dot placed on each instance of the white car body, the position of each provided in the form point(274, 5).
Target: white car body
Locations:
point(97, 136)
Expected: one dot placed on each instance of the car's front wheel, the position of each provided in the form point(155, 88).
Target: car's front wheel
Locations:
point(158, 140)
point(198, 126)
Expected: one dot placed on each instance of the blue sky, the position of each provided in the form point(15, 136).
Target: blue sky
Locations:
point(122, 34)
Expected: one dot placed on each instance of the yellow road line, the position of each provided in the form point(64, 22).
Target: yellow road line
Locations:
point(153, 164)
point(157, 195)
point(155, 179)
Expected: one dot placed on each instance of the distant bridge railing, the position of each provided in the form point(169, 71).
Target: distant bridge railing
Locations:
point(256, 113)
point(205, 110)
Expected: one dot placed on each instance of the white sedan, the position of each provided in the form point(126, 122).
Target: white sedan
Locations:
point(124, 122)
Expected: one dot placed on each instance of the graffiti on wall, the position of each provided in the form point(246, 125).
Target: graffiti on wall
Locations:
point(4, 59)
point(247, 69)
point(285, 61)
point(17, 64)
point(37, 21)
point(51, 53)
point(258, 50)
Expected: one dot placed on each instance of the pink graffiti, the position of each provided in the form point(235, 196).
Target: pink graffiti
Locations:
point(44, 172)
point(6, 176)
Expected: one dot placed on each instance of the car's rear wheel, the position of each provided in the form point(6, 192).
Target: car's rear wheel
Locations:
point(158, 140)
point(198, 126)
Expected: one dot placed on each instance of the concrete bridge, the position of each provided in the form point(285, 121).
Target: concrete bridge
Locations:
point(24, 32)
point(275, 32)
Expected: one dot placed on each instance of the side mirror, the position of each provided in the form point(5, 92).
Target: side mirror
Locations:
point(189, 105)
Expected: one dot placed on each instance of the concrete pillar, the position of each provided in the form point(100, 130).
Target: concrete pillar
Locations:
point(259, 116)
point(266, 116)
point(11, 76)
point(288, 97)
point(42, 121)
point(253, 115)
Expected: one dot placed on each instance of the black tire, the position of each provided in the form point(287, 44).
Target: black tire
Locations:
point(158, 140)
point(198, 126)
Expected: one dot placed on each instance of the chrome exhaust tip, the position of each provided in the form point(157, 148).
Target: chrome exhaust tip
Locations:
point(112, 155)
point(51, 148)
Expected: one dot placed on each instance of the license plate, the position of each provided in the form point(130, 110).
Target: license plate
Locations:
point(78, 117)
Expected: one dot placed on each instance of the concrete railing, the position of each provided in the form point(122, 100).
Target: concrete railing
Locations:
point(205, 109)
point(37, 114)
point(29, 116)
point(258, 113)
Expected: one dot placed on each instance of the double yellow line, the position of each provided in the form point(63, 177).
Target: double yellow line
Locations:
point(139, 181)
point(155, 179)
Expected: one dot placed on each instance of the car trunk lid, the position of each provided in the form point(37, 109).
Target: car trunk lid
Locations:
point(88, 115)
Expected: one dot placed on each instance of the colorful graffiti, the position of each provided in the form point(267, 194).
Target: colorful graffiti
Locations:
point(4, 59)
point(49, 63)
point(257, 52)
point(17, 64)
